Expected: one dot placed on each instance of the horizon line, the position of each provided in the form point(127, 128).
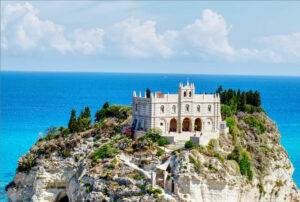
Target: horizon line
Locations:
point(48, 71)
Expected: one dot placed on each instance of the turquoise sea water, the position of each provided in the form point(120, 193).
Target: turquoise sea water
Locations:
point(33, 101)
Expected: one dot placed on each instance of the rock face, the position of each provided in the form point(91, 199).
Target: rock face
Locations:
point(100, 165)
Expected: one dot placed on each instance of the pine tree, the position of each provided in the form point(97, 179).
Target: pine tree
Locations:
point(219, 90)
point(250, 97)
point(87, 112)
point(148, 93)
point(73, 123)
point(243, 102)
point(106, 105)
point(256, 99)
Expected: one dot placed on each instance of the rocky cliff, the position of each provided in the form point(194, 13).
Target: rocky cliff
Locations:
point(101, 164)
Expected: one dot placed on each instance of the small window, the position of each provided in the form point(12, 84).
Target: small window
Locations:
point(190, 94)
point(209, 108)
point(162, 109)
point(184, 94)
point(161, 123)
point(136, 107)
point(208, 122)
point(198, 108)
point(174, 109)
point(187, 108)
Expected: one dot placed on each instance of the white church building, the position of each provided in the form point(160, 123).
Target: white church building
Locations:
point(181, 116)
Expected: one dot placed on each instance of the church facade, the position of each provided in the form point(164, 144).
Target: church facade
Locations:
point(183, 114)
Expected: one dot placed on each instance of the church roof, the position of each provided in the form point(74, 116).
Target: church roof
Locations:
point(159, 94)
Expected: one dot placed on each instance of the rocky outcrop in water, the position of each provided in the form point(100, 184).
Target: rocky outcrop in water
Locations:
point(100, 164)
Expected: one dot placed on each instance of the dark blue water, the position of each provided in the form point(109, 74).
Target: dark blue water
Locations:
point(32, 101)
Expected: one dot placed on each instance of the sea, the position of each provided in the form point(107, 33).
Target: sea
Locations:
point(31, 102)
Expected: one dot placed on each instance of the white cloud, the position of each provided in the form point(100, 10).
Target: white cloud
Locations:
point(89, 41)
point(208, 34)
point(139, 39)
point(23, 30)
point(283, 47)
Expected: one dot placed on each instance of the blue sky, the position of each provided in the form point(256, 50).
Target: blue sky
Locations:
point(251, 38)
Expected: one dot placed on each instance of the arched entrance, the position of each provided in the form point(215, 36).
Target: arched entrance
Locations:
point(186, 124)
point(62, 197)
point(173, 125)
point(198, 124)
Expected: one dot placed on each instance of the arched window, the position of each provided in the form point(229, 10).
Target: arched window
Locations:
point(198, 108)
point(190, 94)
point(162, 109)
point(174, 109)
point(184, 94)
point(209, 108)
point(187, 108)
point(136, 107)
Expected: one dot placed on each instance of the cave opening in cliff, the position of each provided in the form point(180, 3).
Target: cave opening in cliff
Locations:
point(62, 197)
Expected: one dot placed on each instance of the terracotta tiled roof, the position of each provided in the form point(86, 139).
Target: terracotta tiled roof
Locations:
point(159, 95)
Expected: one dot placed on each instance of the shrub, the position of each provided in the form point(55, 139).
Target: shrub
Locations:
point(218, 156)
point(231, 123)
point(189, 144)
point(105, 151)
point(163, 142)
point(26, 162)
point(242, 158)
point(118, 111)
point(253, 122)
point(226, 111)
point(261, 188)
point(213, 143)
point(154, 134)
point(279, 183)
point(201, 148)
point(159, 152)
point(65, 153)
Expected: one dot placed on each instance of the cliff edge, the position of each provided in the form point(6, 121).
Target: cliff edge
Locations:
point(103, 164)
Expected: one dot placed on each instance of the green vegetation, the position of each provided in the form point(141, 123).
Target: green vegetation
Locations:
point(159, 152)
point(105, 151)
point(261, 188)
point(218, 156)
point(233, 101)
point(148, 93)
point(82, 122)
point(253, 122)
point(163, 142)
point(154, 134)
point(279, 183)
point(26, 164)
point(213, 143)
point(189, 144)
point(197, 164)
point(116, 111)
point(242, 158)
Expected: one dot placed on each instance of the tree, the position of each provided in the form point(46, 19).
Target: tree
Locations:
point(250, 96)
point(243, 102)
point(256, 99)
point(106, 105)
point(87, 112)
point(219, 90)
point(148, 93)
point(73, 123)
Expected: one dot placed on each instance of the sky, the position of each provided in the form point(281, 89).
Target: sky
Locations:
point(192, 37)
